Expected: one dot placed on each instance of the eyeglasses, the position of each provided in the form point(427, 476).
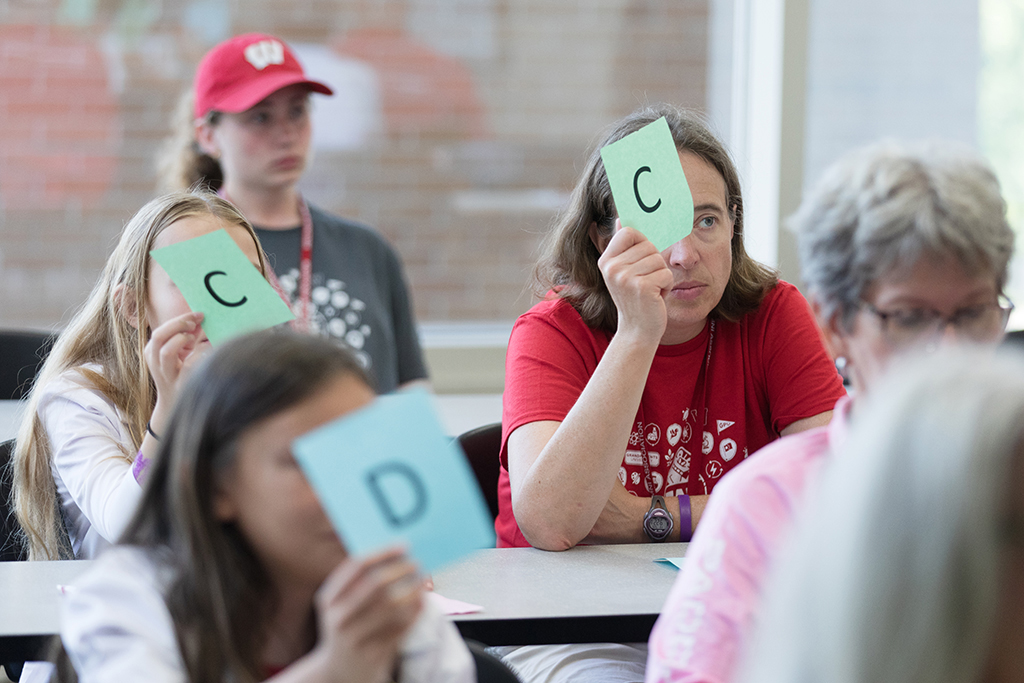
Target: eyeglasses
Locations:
point(907, 326)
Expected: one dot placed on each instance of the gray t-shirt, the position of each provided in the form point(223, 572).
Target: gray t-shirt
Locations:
point(359, 294)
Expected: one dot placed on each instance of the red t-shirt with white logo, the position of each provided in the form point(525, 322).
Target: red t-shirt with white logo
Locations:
point(763, 373)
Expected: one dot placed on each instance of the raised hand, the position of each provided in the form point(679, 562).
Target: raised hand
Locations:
point(637, 278)
point(172, 349)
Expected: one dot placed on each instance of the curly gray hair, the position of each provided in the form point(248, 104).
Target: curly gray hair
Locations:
point(884, 206)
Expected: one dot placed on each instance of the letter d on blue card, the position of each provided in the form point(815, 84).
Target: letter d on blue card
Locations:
point(388, 474)
point(399, 491)
point(648, 184)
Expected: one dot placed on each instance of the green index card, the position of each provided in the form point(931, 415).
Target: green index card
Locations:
point(648, 184)
point(218, 279)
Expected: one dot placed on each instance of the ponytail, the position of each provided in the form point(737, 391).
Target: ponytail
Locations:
point(180, 163)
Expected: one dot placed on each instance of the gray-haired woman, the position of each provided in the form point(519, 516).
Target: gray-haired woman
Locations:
point(902, 247)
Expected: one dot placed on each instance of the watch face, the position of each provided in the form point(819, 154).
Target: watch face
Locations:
point(658, 525)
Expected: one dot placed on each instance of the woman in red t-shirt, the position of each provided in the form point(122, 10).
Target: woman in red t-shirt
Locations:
point(646, 374)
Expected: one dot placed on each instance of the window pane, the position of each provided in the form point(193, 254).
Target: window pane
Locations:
point(458, 128)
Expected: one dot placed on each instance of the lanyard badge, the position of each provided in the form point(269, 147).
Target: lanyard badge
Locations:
point(658, 523)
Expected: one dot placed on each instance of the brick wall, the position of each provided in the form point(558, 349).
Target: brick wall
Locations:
point(466, 123)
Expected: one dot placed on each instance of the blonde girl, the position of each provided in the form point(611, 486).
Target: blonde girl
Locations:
point(104, 394)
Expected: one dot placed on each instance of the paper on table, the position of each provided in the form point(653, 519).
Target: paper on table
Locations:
point(387, 474)
point(676, 562)
point(450, 606)
point(217, 279)
point(648, 184)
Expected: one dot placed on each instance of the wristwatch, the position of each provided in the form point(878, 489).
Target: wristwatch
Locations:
point(658, 522)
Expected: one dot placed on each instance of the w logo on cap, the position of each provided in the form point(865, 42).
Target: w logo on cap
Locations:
point(264, 53)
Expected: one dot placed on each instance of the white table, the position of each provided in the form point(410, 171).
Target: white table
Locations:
point(607, 593)
point(30, 601)
point(10, 418)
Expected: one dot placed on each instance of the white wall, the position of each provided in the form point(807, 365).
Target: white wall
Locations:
point(889, 68)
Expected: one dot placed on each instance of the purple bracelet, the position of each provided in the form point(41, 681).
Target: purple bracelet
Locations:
point(685, 520)
point(140, 468)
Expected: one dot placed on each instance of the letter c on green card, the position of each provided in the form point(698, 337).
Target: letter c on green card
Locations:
point(636, 191)
point(222, 302)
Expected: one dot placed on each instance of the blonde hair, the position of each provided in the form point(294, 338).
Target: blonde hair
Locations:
point(101, 334)
point(894, 571)
point(180, 163)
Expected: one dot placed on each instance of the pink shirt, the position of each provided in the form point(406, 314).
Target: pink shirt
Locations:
point(702, 627)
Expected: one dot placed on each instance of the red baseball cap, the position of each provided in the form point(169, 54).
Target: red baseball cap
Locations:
point(241, 71)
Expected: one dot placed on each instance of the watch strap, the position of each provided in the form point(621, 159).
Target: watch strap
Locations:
point(685, 518)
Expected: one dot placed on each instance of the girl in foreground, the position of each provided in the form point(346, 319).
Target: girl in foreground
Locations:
point(908, 564)
point(230, 569)
point(108, 386)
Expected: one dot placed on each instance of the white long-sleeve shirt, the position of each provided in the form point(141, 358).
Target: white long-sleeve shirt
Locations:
point(115, 627)
point(88, 442)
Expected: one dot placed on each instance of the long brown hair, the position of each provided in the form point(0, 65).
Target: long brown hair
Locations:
point(220, 596)
point(568, 262)
point(101, 334)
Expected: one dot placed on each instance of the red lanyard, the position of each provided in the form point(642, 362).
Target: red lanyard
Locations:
point(304, 314)
point(302, 307)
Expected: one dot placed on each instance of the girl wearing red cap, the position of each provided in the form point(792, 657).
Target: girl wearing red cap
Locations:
point(246, 133)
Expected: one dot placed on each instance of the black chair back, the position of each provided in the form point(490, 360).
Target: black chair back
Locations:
point(482, 447)
point(21, 356)
point(11, 547)
point(1014, 339)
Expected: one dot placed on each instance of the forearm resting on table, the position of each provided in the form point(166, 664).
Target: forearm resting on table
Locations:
point(547, 504)
point(562, 473)
point(621, 521)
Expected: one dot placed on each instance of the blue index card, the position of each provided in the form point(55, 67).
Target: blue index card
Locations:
point(675, 562)
point(388, 474)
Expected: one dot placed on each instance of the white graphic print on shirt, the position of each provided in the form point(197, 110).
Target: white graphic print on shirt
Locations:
point(670, 449)
point(335, 312)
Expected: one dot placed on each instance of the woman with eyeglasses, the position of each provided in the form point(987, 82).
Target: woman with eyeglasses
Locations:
point(903, 249)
